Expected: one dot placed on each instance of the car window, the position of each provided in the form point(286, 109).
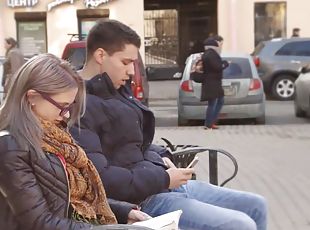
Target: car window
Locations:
point(238, 68)
point(301, 48)
point(76, 56)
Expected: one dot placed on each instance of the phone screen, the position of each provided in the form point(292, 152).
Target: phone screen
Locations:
point(193, 163)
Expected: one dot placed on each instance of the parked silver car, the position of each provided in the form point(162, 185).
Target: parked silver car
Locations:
point(244, 94)
point(302, 97)
point(278, 62)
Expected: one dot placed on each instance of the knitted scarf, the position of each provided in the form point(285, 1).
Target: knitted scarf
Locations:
point(87, 194)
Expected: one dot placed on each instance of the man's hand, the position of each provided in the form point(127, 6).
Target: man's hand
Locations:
point(137, 215)
point(179, 176)
point(168, 162)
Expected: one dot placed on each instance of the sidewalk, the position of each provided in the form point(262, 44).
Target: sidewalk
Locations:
point(273, 161)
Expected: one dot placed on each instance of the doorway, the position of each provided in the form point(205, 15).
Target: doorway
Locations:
point(195, 20)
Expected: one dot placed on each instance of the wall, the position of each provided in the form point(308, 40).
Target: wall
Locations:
point(62, 20)
point(236, 21)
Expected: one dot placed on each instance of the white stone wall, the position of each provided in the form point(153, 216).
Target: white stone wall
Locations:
point(62, 20)
point(236, 21)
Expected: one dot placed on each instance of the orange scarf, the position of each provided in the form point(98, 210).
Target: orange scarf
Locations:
point(87, 194)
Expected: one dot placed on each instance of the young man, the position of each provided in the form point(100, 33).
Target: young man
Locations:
point(117, 133)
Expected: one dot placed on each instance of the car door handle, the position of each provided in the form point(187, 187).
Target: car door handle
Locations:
point(295, 62)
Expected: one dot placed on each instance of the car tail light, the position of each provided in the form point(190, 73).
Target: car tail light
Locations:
point(187, 86)
point(255, 84)
point(256, 61)
point(138, 93)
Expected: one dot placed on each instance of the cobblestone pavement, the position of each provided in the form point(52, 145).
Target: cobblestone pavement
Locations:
point(273, 161)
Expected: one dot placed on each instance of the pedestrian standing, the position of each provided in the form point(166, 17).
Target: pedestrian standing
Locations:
point(295, 32)
point(211, 89)
point(14, 60)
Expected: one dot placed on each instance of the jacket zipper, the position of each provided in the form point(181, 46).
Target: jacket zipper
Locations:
point(67, 180)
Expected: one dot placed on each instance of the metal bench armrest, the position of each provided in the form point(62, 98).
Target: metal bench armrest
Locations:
point(182, 157)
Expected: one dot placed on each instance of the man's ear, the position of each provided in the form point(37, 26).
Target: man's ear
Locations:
point(99, 55)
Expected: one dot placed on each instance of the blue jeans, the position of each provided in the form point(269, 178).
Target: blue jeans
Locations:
point(209, 207)
point(214, 107)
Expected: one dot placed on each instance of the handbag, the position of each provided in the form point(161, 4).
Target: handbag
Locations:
point(197, 74)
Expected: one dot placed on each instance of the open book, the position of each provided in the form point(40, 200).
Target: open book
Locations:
point(168, 221)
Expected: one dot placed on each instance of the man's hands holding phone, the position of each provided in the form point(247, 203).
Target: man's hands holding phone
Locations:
point(179, 176)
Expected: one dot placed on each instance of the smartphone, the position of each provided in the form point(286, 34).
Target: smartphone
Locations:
point(193, 163)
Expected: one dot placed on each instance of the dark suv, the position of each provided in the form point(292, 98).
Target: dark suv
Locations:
point(278, 62)
point(75, 53)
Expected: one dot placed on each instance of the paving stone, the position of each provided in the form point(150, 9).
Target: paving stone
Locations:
point(273, 161)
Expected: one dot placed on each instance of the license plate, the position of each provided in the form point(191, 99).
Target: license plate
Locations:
point(229, 91)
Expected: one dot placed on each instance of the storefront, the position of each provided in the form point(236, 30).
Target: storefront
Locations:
point(243, 23)
point(43, 25)
point(170, 27)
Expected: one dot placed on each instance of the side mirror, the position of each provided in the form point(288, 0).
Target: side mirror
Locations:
point(303, 70)
point(177, 75)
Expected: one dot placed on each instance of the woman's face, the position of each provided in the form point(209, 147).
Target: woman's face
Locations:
point(47, 110)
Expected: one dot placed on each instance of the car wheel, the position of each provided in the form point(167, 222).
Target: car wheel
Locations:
point(260, 120)
point(283, 87)
point(298, 111)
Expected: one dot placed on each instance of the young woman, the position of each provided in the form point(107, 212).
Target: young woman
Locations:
point(46, 180)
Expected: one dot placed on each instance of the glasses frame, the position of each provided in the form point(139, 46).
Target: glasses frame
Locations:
point(63, 109)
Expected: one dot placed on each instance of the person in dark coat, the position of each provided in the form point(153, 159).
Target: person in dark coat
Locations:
point(46, 180)
point(117, 132)
point(14, 59)
point(211, 89)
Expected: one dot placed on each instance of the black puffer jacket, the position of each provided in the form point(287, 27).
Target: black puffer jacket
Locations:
point(116, 133)
point(213, 70)
point(34, 192)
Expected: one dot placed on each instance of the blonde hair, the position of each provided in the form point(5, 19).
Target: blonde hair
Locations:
point(45, 73)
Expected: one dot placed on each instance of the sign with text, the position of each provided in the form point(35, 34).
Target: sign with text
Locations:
point(94, 3)
point(55, 3)
point(21, 3)
point(87, 3)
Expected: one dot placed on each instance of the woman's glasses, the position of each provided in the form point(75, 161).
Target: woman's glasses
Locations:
point(63, 109)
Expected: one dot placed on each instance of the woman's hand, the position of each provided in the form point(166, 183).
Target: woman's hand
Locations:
point(137, 215)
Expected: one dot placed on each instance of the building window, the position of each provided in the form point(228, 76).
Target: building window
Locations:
point(87, 18)
point(270, 21)
point(161, 36)
point(31, 33)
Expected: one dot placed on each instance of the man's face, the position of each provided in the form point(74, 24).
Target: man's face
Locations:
point(119, 66)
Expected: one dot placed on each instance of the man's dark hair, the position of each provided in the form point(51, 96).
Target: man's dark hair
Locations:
point(112, 36)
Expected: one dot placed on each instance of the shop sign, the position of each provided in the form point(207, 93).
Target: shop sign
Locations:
point(94, 3)
point(55, 3)
point(87, 3)
point(21, 3)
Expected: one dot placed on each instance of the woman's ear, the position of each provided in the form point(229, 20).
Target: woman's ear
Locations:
point(99, 55)
point(31, 95)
